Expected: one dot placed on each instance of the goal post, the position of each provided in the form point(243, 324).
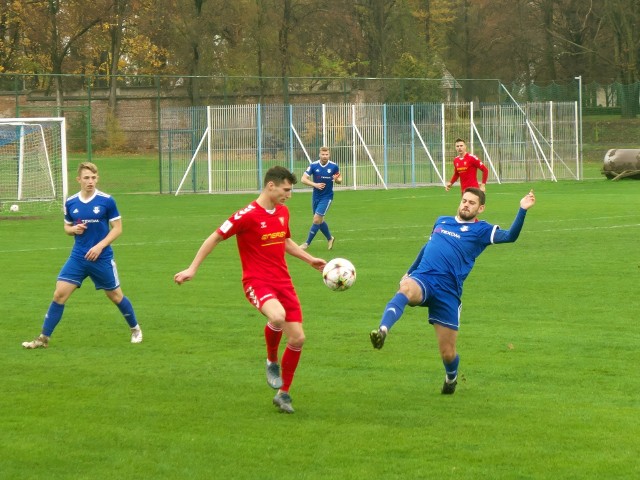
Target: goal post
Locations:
point(33, 163)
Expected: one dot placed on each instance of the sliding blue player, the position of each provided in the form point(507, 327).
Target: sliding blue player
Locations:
point(436, 277)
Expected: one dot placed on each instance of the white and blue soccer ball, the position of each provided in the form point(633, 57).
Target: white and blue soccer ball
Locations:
point(14, 208)
point(339, 274)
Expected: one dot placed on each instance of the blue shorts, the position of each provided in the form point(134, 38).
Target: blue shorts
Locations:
point(320, 206)
point(103, 272)
point(444, 304)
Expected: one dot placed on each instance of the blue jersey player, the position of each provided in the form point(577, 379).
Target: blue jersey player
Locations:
point(321, 175)
point(92, 218)
point(436, 277)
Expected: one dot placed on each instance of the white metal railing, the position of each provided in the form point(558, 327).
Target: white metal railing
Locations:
point(228, 148)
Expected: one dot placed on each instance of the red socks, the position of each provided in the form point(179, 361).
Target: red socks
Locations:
point(272, 337)
point(290, 359)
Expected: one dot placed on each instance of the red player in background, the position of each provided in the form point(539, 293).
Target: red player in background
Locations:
point(466, 168)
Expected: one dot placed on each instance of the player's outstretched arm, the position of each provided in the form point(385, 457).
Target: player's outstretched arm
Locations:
point(511, 235)
point(205, 249)
point(528, 201)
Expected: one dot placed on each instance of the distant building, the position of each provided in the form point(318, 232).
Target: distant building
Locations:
point(450, 85)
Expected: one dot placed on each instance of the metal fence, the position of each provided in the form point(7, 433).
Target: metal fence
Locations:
point(133, 125)
point(398, 127)
point(227, 148)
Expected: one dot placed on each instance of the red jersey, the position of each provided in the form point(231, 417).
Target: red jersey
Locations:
point(466, 169)
point(260, 236)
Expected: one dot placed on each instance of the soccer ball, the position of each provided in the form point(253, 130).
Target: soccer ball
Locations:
point(14, 208)
point(339, 274)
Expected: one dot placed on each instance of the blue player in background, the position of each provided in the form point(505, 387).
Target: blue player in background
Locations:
point(436, 277)
point(321, 175)
point(92, 218)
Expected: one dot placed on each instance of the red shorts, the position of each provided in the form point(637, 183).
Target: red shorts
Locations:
point(259, 292)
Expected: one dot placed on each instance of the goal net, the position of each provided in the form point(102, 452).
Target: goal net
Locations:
point(33, 164)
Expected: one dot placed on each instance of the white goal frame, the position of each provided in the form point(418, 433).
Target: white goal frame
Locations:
point(57, 176)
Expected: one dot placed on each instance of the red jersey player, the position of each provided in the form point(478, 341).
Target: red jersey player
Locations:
point(466, 168)
point(263, 236)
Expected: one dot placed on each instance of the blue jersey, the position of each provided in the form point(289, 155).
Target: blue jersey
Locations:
point(95, 213)
point(323, 174)
point(451, 252)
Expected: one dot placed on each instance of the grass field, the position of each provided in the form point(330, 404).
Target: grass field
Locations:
point(549, 345)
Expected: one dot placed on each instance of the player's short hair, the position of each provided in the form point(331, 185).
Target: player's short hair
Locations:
point(324, 149)
point(88, 166)
point(478, 193)
point(460, 140)
point(279, 175)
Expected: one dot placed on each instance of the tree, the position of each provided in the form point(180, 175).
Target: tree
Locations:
point(199, 35)
point(10, 35)
point(520, 41)
point(262, 40)
point(57, 26)
point(116, 28)
point(374, 18)
point(624, 18)
point(438, 19)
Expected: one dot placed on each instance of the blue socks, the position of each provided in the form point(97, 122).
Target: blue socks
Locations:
point(126, 309)
point(452, 368)
point(394, 310)
point(324, 228)
point(55, 311)
point(52, 318)
point(312, 233)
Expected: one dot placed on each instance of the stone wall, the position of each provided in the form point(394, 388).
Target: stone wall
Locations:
point(134, 130)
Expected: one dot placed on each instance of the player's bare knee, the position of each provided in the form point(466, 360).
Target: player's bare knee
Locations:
point(59, 298)
point(275, 313)
point(276, 316)
point(404, 289)
point(277, 322)
point(61, 295)
point(295, 334)
point(115, 296)
point(447, 353)
point(296, 341)
point(411, 290)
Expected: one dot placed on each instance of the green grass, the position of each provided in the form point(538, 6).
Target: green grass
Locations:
point(139, 173)
point(548, 347)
